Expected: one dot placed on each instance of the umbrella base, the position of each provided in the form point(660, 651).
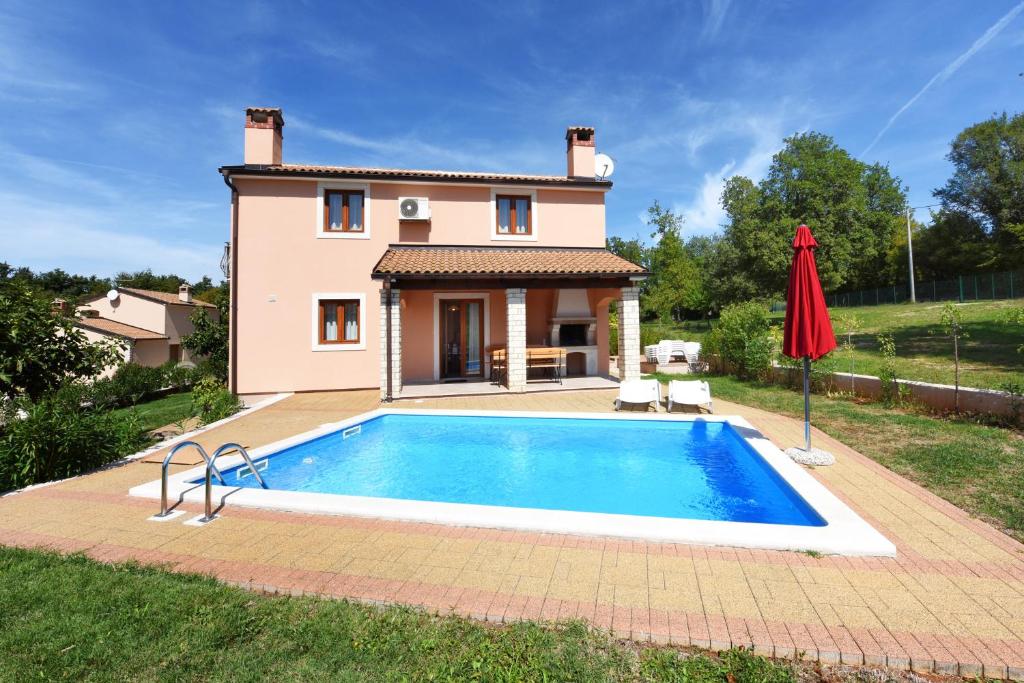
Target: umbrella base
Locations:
point(815, 456)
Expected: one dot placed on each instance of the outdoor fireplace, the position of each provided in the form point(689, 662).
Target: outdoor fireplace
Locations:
point(574, 326)
point(572, 334)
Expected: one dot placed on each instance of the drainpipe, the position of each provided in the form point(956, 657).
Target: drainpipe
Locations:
point(387, 293)
point(233, 290)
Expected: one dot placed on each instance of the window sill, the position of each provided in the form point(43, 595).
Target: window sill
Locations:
point(361, 346)
point(324, 235)
point(514, 238)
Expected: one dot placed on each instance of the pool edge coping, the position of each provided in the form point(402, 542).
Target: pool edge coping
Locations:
point(845, 532)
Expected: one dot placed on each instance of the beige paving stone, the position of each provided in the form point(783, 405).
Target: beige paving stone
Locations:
point(953, 596)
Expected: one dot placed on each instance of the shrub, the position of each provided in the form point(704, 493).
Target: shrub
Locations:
point(129, 385)
point(56, 437)
point(212, 401)
point(742, 339)
point(178, 375)
point(892, 391)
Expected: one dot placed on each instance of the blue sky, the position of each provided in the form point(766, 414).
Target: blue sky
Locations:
point(115, 116)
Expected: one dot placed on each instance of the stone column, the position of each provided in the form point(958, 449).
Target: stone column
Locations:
point(629, 334)
point(396, 343)
point(515, 304)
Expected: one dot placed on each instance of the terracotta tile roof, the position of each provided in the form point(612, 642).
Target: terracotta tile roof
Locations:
point(118, 329)
point(164, 297)
point(413, 174)
point(445, 260)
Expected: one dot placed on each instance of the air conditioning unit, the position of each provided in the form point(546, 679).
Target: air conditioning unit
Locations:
point(414, 208)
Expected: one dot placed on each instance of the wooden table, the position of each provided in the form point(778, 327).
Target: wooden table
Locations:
point(552, 357)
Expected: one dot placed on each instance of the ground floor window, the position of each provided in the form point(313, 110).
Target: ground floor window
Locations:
point(338, 322)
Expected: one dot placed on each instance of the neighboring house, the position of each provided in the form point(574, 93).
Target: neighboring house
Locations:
point(149, 325)
point(467, 262)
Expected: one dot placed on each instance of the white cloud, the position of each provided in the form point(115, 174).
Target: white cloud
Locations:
point(949, 70)
point(714, 18)
point(703, 211)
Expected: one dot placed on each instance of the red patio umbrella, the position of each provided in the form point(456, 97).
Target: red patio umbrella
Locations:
point(808, 331)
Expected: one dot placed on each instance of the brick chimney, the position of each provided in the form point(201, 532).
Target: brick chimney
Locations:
point(580, 151)
point(185, 293)
point(263, 135)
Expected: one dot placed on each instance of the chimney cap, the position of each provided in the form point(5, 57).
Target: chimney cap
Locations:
point(257, 115)
point(574, 131)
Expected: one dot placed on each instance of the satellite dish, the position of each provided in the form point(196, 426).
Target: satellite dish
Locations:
point(604, 166)
point(113, 295)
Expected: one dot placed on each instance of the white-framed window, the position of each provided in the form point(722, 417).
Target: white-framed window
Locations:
point(343, 210)
point(514, 215)
point(339, 321)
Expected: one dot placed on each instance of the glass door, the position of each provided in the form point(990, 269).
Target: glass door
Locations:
point(461, 332)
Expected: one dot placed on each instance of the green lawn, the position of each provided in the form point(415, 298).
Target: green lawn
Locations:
point(162, 411)
point(70, 618)
point(988, 357)
point(977, 468)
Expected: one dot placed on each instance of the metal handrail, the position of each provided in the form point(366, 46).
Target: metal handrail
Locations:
point(167, 461)
point(211, 467)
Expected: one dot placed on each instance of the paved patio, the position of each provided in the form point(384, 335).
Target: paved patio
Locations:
point(952, 601)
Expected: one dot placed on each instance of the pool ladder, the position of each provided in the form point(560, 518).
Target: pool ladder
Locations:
point(211, 469)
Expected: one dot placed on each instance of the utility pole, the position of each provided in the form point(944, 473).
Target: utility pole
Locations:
point(910, 259)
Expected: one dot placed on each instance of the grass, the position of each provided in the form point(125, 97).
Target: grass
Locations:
point(988, 357)
point(976, 467)
point(162, 411)
point(68, 617)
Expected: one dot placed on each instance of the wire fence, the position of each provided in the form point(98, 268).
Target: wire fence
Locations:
point(976, 287)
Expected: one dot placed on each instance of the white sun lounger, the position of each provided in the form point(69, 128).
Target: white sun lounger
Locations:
point(689, 393)
point(642, 391)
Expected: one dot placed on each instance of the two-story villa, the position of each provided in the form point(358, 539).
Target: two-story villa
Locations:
point(346, 278)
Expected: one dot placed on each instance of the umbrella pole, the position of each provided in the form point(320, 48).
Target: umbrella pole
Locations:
point(807, 403)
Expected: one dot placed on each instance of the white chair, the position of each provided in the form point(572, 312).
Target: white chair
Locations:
point(689, 393)
point(691, 351)
point(679, 349)
point(651, 352)
point(664, 351)
point(642, 391)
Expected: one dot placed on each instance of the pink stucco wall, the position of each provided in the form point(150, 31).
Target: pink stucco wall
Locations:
point(281, 263)
point(132, 310)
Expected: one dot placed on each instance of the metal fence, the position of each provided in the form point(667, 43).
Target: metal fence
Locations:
point(977, 287)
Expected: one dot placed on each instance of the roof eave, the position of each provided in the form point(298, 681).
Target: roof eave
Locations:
point(278, 172)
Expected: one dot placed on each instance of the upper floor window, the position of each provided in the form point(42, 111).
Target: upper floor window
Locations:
point(513, 215)
point(343, 210)
point(339, 321)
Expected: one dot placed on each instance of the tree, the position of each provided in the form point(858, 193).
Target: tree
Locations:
point(953, 322)
point(988, 174)
point(146, 279)
point(854, 209)
point(676, 284)
point(209, 337)
point(953, 244)
point(40, 350)
point(850, 324)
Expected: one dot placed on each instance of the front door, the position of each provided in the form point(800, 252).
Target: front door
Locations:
point(462, 334)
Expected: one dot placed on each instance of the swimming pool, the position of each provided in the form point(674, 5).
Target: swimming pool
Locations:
point(698, 479)
point(686, 470)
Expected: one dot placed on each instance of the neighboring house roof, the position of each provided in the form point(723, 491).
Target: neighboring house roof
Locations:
point(312, 171)
point(118, 329)
point(164, 297)
point(502, 261)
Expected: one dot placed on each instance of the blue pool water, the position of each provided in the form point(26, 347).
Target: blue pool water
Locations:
point(689, 470)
